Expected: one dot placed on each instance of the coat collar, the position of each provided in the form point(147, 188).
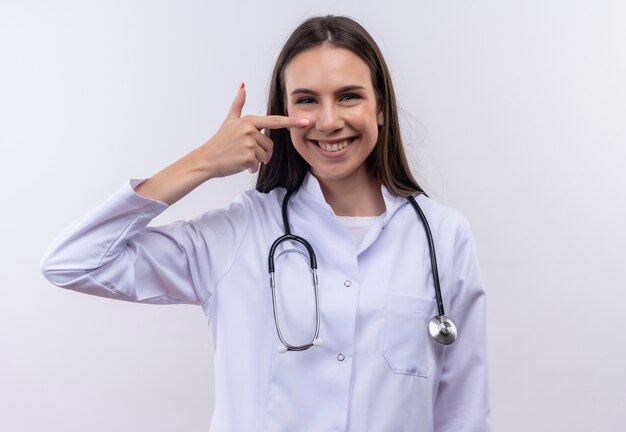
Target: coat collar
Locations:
point(311, 186)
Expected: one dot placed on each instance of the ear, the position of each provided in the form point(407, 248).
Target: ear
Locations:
point(380, 118)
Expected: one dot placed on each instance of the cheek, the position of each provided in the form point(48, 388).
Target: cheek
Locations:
point(298, 133)
point(302, 113)
point(297, 136)
point(362, 120)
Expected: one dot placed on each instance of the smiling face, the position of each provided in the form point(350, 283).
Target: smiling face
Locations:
point(332, 87)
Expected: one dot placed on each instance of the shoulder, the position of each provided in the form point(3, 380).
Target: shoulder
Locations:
point(442, 214)
point(247, 206)
point(447, 223)
point(256, 201)
point(453, 234)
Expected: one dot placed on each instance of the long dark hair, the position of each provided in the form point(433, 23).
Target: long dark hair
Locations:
point(387, 162)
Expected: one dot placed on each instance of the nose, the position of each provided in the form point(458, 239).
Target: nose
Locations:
point(328, 119)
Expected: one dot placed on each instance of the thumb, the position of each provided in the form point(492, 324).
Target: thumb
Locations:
point(240, 100)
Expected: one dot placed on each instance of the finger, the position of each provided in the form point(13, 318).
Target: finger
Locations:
point(260, 154)
point(266, 144)
point(277, 122)
point(254, 165)
point(237, 105)
point(252, 156)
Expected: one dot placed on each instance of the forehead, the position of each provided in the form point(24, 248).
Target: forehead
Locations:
point(326, 67)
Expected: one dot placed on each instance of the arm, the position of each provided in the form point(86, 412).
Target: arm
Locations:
point(462, 403)
point(112, 253)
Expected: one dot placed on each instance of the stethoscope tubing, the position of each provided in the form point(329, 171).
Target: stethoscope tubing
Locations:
point(441, 328)
point(288, 236)
point(433, 255)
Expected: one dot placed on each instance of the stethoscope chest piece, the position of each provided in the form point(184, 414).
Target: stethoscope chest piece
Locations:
point(442, 329)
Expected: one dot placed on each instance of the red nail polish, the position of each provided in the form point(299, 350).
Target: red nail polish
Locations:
point(242, 85)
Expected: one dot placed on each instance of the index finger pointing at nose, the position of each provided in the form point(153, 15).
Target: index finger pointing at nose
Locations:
point(277, 122)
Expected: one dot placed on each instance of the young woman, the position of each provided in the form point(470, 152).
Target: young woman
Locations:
point(339, 342)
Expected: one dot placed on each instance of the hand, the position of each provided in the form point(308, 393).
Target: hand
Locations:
point(239, 144)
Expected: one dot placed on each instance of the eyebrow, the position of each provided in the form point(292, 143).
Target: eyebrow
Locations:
point(340, 90)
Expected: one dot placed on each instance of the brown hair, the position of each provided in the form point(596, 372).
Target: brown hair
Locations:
point(387, 161)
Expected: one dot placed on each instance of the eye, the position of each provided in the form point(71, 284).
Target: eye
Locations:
point(351, 96)
point(302, 100)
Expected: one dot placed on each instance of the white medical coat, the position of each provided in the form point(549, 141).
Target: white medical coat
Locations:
point(378, 369)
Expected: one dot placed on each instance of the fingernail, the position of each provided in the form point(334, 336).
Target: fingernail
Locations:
point(242, 85)
point(303, 122)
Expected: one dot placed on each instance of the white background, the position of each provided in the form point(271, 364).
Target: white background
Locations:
point(513, 112)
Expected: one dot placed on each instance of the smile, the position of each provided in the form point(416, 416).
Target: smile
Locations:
point(334, 146)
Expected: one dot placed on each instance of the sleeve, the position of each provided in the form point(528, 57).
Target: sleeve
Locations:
point(110, 252)
point(462, 401)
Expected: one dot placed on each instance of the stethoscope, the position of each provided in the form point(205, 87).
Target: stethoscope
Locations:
point(440, 327)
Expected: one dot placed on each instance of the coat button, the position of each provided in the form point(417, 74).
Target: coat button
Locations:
point(347, 283)
point(341, 357)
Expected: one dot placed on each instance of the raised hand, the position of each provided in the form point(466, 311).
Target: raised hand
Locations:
point(239, 144)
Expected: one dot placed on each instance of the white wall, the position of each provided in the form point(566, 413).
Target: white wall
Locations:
point(515, 114)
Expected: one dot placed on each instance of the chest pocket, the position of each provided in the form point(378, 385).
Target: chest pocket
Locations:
point(407, 346)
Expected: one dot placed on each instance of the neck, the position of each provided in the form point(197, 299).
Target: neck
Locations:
point(348, 197)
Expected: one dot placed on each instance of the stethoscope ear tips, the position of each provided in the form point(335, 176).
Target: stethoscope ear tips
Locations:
point(281, 348)
point(318, 342)
point(442, 329)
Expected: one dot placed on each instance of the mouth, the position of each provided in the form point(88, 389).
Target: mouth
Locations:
point(335, 145)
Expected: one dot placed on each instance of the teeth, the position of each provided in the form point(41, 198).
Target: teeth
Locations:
point(334, 147)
